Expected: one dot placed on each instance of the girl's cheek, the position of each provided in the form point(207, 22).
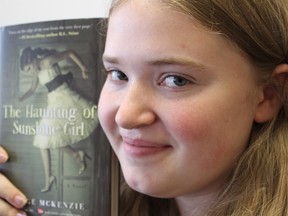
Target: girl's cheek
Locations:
point(188, 127)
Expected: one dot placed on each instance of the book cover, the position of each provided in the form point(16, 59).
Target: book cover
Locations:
point(51, 78)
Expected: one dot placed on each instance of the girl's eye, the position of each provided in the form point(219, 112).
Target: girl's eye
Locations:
point(175, 81)
point(118, 75)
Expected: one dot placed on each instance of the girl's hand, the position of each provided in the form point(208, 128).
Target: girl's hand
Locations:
point(11, 199)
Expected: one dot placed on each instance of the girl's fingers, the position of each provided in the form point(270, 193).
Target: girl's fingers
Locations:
point(3, 155)
point(11, 199)
point(11, 194)
point(8, 210)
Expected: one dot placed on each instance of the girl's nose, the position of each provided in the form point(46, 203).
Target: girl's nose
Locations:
point(135, 109)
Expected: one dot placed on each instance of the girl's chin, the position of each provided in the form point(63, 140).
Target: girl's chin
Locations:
point(153, 189)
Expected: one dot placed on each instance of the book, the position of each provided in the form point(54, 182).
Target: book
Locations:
point(50, 82)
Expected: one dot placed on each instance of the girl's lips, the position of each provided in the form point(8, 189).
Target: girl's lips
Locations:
point(143, 148)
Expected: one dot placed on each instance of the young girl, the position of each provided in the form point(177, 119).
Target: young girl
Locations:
point(195, 107)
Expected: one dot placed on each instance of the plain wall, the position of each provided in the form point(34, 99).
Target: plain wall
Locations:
point(24, 11)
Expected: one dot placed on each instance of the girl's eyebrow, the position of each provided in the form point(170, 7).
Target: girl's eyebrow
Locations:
point(179, 61)
point(109, 59)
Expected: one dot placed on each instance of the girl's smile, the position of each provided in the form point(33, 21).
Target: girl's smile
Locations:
point(142, 148)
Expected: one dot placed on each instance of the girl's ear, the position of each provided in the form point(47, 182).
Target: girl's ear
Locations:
point(270, 102)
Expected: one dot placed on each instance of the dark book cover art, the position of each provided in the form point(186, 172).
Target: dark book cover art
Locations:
point(51, 77)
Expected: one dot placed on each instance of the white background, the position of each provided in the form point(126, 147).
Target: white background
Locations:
point(23, 11)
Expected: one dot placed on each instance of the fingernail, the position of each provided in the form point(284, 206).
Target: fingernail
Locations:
point(20, 200)
point(21, 214)
point(3, 157)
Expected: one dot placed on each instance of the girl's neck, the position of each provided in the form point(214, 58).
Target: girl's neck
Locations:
point(195, 205)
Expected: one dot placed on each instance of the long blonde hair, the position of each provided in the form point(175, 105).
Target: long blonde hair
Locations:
point(259, 184)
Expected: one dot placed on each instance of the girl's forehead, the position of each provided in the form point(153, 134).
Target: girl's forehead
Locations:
point(167, 17)
point(148, 5)
point(134, 17)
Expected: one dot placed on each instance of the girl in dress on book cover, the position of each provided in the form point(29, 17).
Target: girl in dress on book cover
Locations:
point(43, 65)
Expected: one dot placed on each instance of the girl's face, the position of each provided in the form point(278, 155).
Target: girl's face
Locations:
point(179, 101)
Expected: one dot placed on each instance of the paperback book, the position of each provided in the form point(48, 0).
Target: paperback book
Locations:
point(50, 81)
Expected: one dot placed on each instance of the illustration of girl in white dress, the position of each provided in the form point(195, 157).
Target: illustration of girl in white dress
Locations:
point(43, 65)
